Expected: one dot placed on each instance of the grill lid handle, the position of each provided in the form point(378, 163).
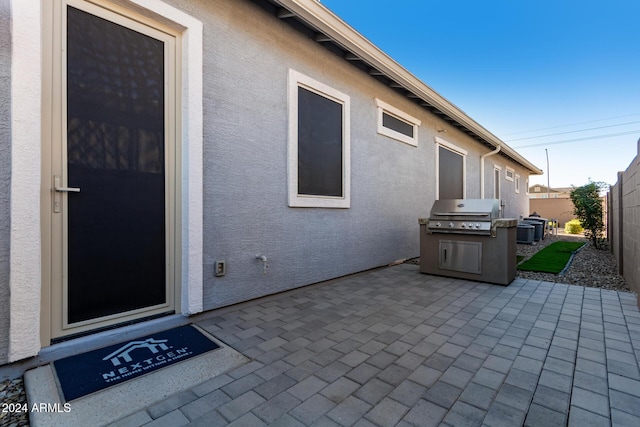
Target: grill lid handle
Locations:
point(460, 213)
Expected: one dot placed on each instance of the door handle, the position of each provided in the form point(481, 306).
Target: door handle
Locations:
point(67, 189)
point(60, 189)
point(57, 197)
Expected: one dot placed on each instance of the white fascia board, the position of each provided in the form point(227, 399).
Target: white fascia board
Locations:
point(318, 16)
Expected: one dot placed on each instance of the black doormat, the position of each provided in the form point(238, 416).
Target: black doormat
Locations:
point(96, 370)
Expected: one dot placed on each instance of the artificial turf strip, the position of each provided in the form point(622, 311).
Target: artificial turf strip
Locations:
point(551, 259)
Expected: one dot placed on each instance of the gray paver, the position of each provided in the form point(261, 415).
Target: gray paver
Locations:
point(340, 389)
point(514, 396)
point(237, 407)
point(172, 419)
point(275, 408)
point(373, 391)
point(396, 347)
point(173, 402)
point(349, 411)
point(312, 409)
point(625, 385)
point(247, 420)
point(579, 418)
point(590, 401)
point(622, 419)
point(553, 399)
point(275, 386)
point(425, 413)
point(387, 413)
point(134, 420)
point(307, 387)
point(501, 415)
point(443, 394)
point(540, 416)
point(464, 415)
point(478, 395)
point(205, 404)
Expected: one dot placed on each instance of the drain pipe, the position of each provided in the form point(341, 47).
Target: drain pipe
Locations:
point(491, 153)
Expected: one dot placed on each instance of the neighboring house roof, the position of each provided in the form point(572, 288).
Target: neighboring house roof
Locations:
point(328, 29)
point(536, 191)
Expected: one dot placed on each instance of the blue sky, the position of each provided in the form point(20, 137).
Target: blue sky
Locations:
point(534, 73)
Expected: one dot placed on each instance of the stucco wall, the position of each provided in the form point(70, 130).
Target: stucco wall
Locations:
point(247, 57)
point(515, 205)
point(248, 54)
point(625, 222)
point(5, 173)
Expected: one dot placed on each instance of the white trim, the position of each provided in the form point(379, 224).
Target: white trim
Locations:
point(26, 130)
point(383, 107)
point(509, 171)
point(517, 184)
point(296, 80)
point(450, 146)
point(439, 142)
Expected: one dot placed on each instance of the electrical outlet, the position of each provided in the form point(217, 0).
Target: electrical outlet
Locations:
point(220, 268)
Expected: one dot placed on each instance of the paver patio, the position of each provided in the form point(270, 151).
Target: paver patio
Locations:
point(396, 347)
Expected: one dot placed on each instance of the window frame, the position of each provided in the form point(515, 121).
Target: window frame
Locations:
point(384, 108)
point(497, 185)
point(296, 80)
point(439, 142)
point(509, 173)
point(517, 183)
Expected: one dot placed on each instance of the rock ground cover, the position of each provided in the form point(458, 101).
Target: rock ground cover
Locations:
point(591, 267)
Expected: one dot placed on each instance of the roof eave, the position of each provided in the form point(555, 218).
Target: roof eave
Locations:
point(320, 18)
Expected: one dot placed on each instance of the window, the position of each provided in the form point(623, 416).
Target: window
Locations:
point(536, 189)
point(451, 164)
point(319, 144)
point(397, 124)
point(508, 174)
point(517, 183)
point(496, 182)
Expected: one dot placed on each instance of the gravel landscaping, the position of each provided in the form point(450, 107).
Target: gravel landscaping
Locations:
point(595, 268)
point(12, 393)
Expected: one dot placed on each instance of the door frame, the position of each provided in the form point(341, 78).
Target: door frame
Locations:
point(60, 325)
point(188, 246)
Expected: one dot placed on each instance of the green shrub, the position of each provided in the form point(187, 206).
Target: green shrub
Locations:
point(587, 205)
point(573, 227)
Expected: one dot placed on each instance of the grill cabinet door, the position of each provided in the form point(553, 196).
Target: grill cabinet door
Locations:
point(461, 256)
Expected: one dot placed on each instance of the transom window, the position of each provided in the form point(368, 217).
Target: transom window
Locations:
point(509, 173)
point(396, 124)
point(319, 144)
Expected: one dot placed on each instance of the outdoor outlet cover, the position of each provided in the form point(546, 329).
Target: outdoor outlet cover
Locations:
point(220, 268)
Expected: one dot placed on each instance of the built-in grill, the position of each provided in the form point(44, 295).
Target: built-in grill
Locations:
point(472, 216)
point(466, 238)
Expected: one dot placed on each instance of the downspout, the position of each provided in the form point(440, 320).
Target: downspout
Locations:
point(491, 153)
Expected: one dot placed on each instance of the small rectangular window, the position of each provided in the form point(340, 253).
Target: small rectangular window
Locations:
point(397, 124)
point(509, 173)
point(517, 184)
point(319, 144)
